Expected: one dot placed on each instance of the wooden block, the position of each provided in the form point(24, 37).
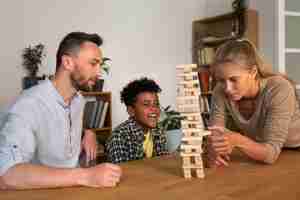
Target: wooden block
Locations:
point(188, 146)
point(204, 132)
point(192, 166)
point(191, 115)
point(200, 173)
point(188, 91)
point(192, 130)
point(188, 109)
point(192, 138)
point(186, 161)
point(188, 83)
point(183, 154)
point(192, 125)
point(186, 134)
point(182, 100)
point(197, 125)
point(187, 173)
point(198, 160)
point(187, 66)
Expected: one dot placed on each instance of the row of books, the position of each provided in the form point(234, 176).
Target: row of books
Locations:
point(95, 112)
point(205, 55)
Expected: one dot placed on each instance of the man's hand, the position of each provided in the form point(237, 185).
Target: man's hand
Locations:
point(103, 175)
point(89, 145)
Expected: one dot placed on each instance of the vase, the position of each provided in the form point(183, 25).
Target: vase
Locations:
point(173, 139)
point(29, 81)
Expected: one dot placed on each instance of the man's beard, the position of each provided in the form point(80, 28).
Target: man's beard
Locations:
point(78, 86)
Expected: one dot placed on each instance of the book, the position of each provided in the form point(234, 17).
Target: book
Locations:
point(87, 117)
point(98, 114)
point(103, 115)
point(93, 114)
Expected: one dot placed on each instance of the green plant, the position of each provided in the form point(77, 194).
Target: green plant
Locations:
point(105, 66)
point(169, 119)
point(32, 58)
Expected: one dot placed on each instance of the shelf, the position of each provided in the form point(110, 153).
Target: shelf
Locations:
point(94, 93)
point(102, 129)
point(205, 66)
point(206, 93)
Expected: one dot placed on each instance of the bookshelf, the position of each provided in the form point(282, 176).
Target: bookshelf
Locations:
point(208, 35)
point(102, 131)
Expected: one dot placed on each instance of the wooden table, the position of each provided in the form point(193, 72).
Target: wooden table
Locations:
point(161, 178)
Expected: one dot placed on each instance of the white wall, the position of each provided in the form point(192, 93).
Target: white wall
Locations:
point(217, 7)
point(143, 38)
point(267, 30)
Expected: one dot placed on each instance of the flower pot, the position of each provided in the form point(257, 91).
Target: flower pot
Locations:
point(29, 81)
point(173, 139)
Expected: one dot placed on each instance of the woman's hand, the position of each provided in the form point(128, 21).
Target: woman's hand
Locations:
point(213, 159)
point(220, 145)
point(89, 145)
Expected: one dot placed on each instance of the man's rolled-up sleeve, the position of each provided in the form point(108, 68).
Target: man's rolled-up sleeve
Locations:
point(17, 142)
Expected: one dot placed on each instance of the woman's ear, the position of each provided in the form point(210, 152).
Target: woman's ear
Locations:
point(130, 111)
point(254, 72)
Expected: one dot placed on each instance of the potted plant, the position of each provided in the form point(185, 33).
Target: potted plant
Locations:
point(170, 123)
point(32, 60)
point(105, 67)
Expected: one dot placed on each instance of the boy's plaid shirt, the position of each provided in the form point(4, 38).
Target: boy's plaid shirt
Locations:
point(126, 142)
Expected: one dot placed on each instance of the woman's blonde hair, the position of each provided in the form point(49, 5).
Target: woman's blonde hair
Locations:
point(243, 53)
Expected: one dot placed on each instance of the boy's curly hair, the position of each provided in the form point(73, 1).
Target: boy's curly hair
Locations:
point(135, 87)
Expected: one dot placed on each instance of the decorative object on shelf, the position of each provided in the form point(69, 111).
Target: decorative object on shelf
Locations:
point(32, 60)
point(105, 68)
point(170, 123)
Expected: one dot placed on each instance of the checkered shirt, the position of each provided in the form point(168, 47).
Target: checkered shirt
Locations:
point(126, 142)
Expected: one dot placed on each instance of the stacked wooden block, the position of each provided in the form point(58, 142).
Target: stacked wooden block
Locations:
point(188, 104)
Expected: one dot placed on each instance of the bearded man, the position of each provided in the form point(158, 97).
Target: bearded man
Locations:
point(40, 140)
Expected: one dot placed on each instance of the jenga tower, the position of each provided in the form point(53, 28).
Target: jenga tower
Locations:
point(188, 104)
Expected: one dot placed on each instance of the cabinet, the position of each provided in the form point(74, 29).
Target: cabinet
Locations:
point(104, 132)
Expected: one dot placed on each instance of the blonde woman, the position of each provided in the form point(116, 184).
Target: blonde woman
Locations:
point(253, 109)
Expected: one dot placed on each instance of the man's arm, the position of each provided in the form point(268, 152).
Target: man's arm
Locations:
point(89, 145)
point(29, 176)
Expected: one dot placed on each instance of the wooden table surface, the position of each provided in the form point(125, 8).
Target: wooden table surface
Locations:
point(161, 178)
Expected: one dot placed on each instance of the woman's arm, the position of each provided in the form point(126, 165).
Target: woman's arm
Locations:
point(280, 103)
